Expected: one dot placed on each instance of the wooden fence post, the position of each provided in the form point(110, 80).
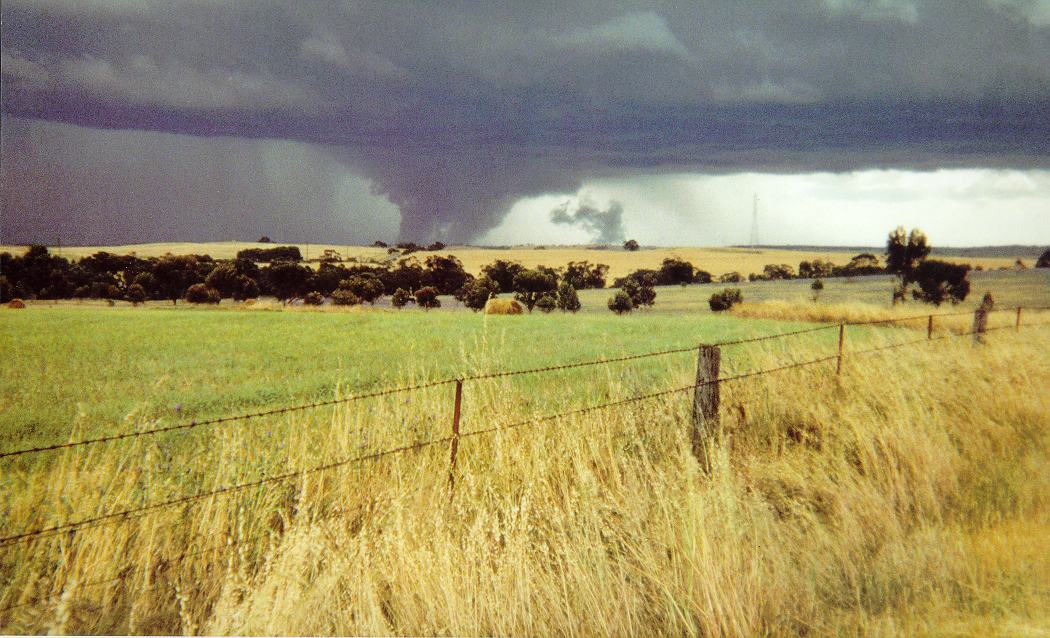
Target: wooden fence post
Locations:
point(980, 322)
point(705, 402)
point(980, 318)
point(842, 340)
point(929, 328)
point(1017, 324)
point(455, 436)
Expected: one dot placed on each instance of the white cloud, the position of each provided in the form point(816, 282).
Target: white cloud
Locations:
point(955, 207)
point(642, 31)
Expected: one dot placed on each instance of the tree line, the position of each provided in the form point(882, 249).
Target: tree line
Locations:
point(201, 279)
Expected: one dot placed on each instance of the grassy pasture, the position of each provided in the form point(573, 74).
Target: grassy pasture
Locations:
point(714, 260)
point(105, 369)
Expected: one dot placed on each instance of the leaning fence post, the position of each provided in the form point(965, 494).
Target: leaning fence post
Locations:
point(842, 339)
point(929, 328)
point(1017, 324)
point(455, 435)
point(705, 402)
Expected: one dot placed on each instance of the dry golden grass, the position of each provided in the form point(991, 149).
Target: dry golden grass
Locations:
point(714, 260)
point(910, 498)
point(912, 316)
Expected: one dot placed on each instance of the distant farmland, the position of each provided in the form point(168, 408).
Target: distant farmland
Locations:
point(714, 260)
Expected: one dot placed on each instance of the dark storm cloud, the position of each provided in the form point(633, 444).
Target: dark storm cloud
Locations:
point(604, 226)
point(455, 110)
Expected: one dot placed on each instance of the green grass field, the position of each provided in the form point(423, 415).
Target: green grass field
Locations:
point(101, 369)
point(115, 369)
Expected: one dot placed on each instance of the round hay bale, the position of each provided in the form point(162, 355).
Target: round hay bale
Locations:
point(503, 307)
point(16, 303)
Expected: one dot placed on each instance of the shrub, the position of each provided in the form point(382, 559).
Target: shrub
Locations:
point(313, 298)
point(264, 240)
point(725, 300)
point(546, 303)
point(730, 278)
point(200, 293)
point(703, 277)
point(427, 298)
point(401, 298)
point(631, 245)
point(620, 302)
point(940, 281)
point(568, 300)
point(345, 297)
point(136, 294)
point(818, 284)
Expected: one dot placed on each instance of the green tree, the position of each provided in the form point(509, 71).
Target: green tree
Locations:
point(477, 293)
point(641, 290)
point(445, 273)
point(136, 294)
point(620, 303)
point(675, 271)
point(427, 298)
point(401, 298)
point(582, 275)
point(201, 293)
point(366, 286)
point(631, 245)
point(173, 275)
point(546, 303)
point(940, 281)
point(568, 300)
point(530, 285)
point(904, 253)
point(288, 279)
point(503, 273)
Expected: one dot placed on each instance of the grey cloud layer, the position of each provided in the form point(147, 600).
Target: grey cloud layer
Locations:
point(456, 109)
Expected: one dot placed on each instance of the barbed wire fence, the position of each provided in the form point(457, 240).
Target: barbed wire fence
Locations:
point(704, 419)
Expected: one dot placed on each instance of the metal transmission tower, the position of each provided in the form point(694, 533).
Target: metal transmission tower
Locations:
point(754, 222)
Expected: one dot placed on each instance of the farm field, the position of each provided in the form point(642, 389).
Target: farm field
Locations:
point(714, 260)
point(904, 497)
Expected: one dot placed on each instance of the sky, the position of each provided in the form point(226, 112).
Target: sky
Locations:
point(128, 121)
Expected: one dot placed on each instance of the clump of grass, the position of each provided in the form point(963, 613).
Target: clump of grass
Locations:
point(909, 492)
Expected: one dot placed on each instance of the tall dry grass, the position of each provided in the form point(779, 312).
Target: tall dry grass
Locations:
point(910, 497)
point(947, 318)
